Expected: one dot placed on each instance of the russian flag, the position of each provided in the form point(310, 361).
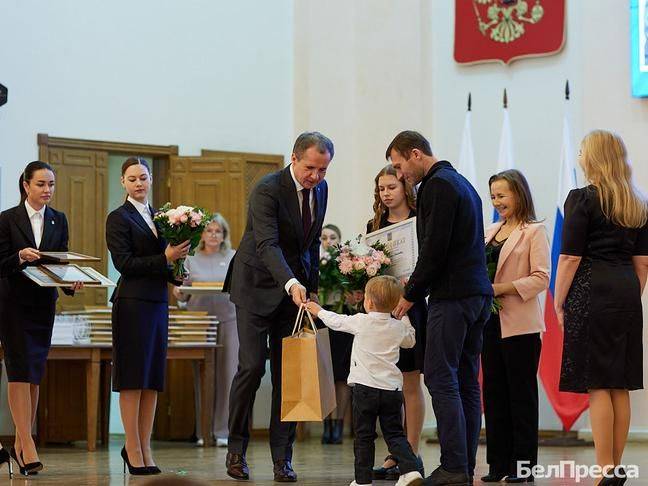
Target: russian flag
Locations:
point(505, 157)
point(467, 154)
point(568, 406)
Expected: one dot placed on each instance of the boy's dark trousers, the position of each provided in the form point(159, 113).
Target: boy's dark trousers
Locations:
point(371, 404)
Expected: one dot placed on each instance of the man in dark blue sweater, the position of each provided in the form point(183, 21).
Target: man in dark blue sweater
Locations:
point(451, 271)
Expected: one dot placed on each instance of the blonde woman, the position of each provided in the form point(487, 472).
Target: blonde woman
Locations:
point(601, 275)
point(210, 264)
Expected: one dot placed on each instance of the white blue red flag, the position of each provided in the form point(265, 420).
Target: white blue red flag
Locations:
point(568, 406)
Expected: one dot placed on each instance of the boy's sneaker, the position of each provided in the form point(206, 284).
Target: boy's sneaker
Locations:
point(413, 478)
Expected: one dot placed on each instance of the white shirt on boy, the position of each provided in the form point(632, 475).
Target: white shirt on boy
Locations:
point(376, 346)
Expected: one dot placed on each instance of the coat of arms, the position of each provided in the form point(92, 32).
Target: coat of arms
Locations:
point(503, 30)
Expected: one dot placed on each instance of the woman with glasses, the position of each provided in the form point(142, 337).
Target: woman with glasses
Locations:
point(210, 264)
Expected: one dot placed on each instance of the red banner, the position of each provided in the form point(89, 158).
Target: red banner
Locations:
point(504, 30)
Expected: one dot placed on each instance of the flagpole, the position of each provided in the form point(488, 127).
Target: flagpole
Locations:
point(568, 407)
point(505, 156)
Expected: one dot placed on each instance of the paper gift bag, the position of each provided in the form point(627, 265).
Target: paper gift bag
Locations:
point(307, 385)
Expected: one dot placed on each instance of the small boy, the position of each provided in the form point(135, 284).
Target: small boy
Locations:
point(377, 382)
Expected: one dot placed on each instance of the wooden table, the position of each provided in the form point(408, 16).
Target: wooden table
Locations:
point(98, 367)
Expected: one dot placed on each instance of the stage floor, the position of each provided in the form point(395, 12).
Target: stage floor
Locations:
point(315, 464)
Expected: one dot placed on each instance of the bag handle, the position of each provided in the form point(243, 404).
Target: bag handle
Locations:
point(298, 319)
point(300, 315)
point(310, 318)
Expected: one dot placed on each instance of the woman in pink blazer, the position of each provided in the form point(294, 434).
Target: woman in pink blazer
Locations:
point(517, 253)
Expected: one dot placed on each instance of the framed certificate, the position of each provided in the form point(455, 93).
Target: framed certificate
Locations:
point(400, 240)
point(67, 257)
point(46, 279)
point(201, 287)
point(68, 274)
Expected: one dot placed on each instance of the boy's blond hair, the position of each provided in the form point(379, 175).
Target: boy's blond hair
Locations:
point(384, 291)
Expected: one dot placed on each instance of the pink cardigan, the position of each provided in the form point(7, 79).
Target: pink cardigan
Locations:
point(524, 261)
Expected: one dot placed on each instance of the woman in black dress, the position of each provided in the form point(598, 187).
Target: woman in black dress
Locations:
point(341, 344)
point(140, 315)
point(601, 275)
point(394, 201)
point(28, 310)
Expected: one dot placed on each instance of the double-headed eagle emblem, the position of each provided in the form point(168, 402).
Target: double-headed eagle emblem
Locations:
point(505, 19)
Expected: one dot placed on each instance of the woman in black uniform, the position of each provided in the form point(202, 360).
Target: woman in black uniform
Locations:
point(140, 315)
point(600, 278)
point(394, 201)
point(28, 310)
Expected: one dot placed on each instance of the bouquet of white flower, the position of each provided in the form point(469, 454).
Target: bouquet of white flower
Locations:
point(181, 224)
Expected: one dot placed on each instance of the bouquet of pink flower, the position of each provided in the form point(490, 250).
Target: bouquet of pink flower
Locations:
point(181, 224)
point(359, 262)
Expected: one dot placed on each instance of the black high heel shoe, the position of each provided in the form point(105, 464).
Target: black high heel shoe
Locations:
point(6, 457)
point(153, 469)
point(23, 470)
point(622, 478)
point(135, 471)
point(32, 467)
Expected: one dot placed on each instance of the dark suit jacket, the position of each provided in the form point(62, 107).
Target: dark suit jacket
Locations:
point(15, 234)
point(450, 233)
point(274, 248)
point(138, 255)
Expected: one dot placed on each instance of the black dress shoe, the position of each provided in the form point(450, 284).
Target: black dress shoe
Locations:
point(512, 478)
point(283, 472)
point(493, 477)
point(153, 470)
point(237, 467)
point(441, 477)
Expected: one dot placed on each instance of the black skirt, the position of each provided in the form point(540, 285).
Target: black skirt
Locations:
point(341, 344)
point(603, 329)
point(412, 359)
point(26, 335)
point(140, 337)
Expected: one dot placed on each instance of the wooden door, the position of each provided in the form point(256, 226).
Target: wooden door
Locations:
point(213, 183)
point(254, 167)
point(82, 194)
